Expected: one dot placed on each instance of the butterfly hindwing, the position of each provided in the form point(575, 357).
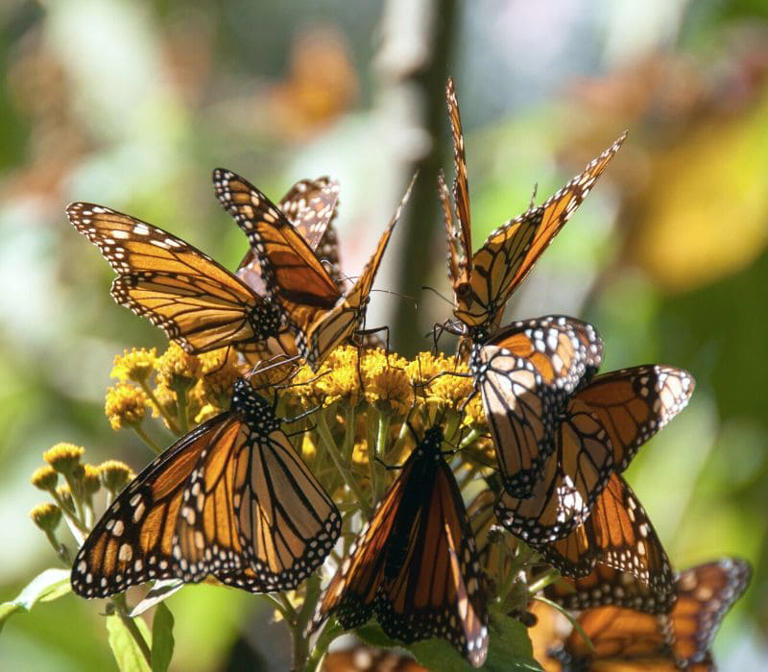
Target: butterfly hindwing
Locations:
point(134, 541)
point(310, 205)
point(676, 638)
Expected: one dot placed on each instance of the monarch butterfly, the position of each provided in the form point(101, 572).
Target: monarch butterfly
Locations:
point(323, 317)
point(483, 282)
point(628, 640)
point(310, 205)
point(193, 299)
point(415, 564)
point(525, 374)
point(599, 432)
point(231, 498)
point(618, 534)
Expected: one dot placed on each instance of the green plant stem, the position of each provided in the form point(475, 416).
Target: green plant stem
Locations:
point(328, 634)
point(69, 513)
point(146, 439)
point(543, 582)
point(168, 419)
point(181, 406)
point(301, 654)
point(382, 436)
point(349, 434)
point(451, 425)
point(327, 438)
point(122, 612)
point(470, 438)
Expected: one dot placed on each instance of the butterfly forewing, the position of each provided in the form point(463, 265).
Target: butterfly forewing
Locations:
point(572, 480)
point(626, 639)
point(553, 214)
point(287, 522)
point(338, 324)
point(483, 282)
point(290, 268)
point(193, 299)
point(440, 575)
point(459, 232)
point(310, 205)
point(416, 564)
point(353, 589)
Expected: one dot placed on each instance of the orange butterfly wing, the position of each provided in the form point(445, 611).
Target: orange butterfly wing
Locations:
point(633, 404)
point(625, 639)
point(193, 299)
point(291, 269)
point(483, 282)
point(618, 534)
point(338, 324)
point(415, 565)
point(310, 205)
point(525, 374)
point(231, 499)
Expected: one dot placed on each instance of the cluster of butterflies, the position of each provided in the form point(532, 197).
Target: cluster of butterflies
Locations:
point(234, 500)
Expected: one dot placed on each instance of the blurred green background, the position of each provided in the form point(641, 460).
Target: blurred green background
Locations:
point(132, 103)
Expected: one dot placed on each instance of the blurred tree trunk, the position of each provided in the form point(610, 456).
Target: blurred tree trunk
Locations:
point(422, 66)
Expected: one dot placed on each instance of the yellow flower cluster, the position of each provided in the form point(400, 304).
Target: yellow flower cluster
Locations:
point(135, 365)
point(125, 405)
point(180, 388)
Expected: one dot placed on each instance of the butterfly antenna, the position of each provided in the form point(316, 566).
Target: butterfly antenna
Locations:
point(398, 295)
point(533, 196)
point(428, 288)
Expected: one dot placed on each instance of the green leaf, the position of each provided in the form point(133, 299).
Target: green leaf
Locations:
point(509, 648)
point(127, 653)
point(45, 587)
point(162, 638)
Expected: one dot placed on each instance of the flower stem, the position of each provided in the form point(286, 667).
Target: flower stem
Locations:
point(382, 437)
point(181, 406)
point(543, 582)
point(147, 439)
point(171, 422)
point(330, 446)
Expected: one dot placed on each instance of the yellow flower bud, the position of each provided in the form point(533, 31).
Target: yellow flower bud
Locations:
point(125, 405)
point(91, 480)
point(115, 475)
point(45, 478)
point(135, 365)
point(178, 369)
point(46, 516)
point(64, 457)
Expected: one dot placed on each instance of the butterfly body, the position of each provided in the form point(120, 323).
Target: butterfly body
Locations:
point(230, 499)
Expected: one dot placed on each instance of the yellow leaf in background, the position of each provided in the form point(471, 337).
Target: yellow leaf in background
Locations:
point(706, 209)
